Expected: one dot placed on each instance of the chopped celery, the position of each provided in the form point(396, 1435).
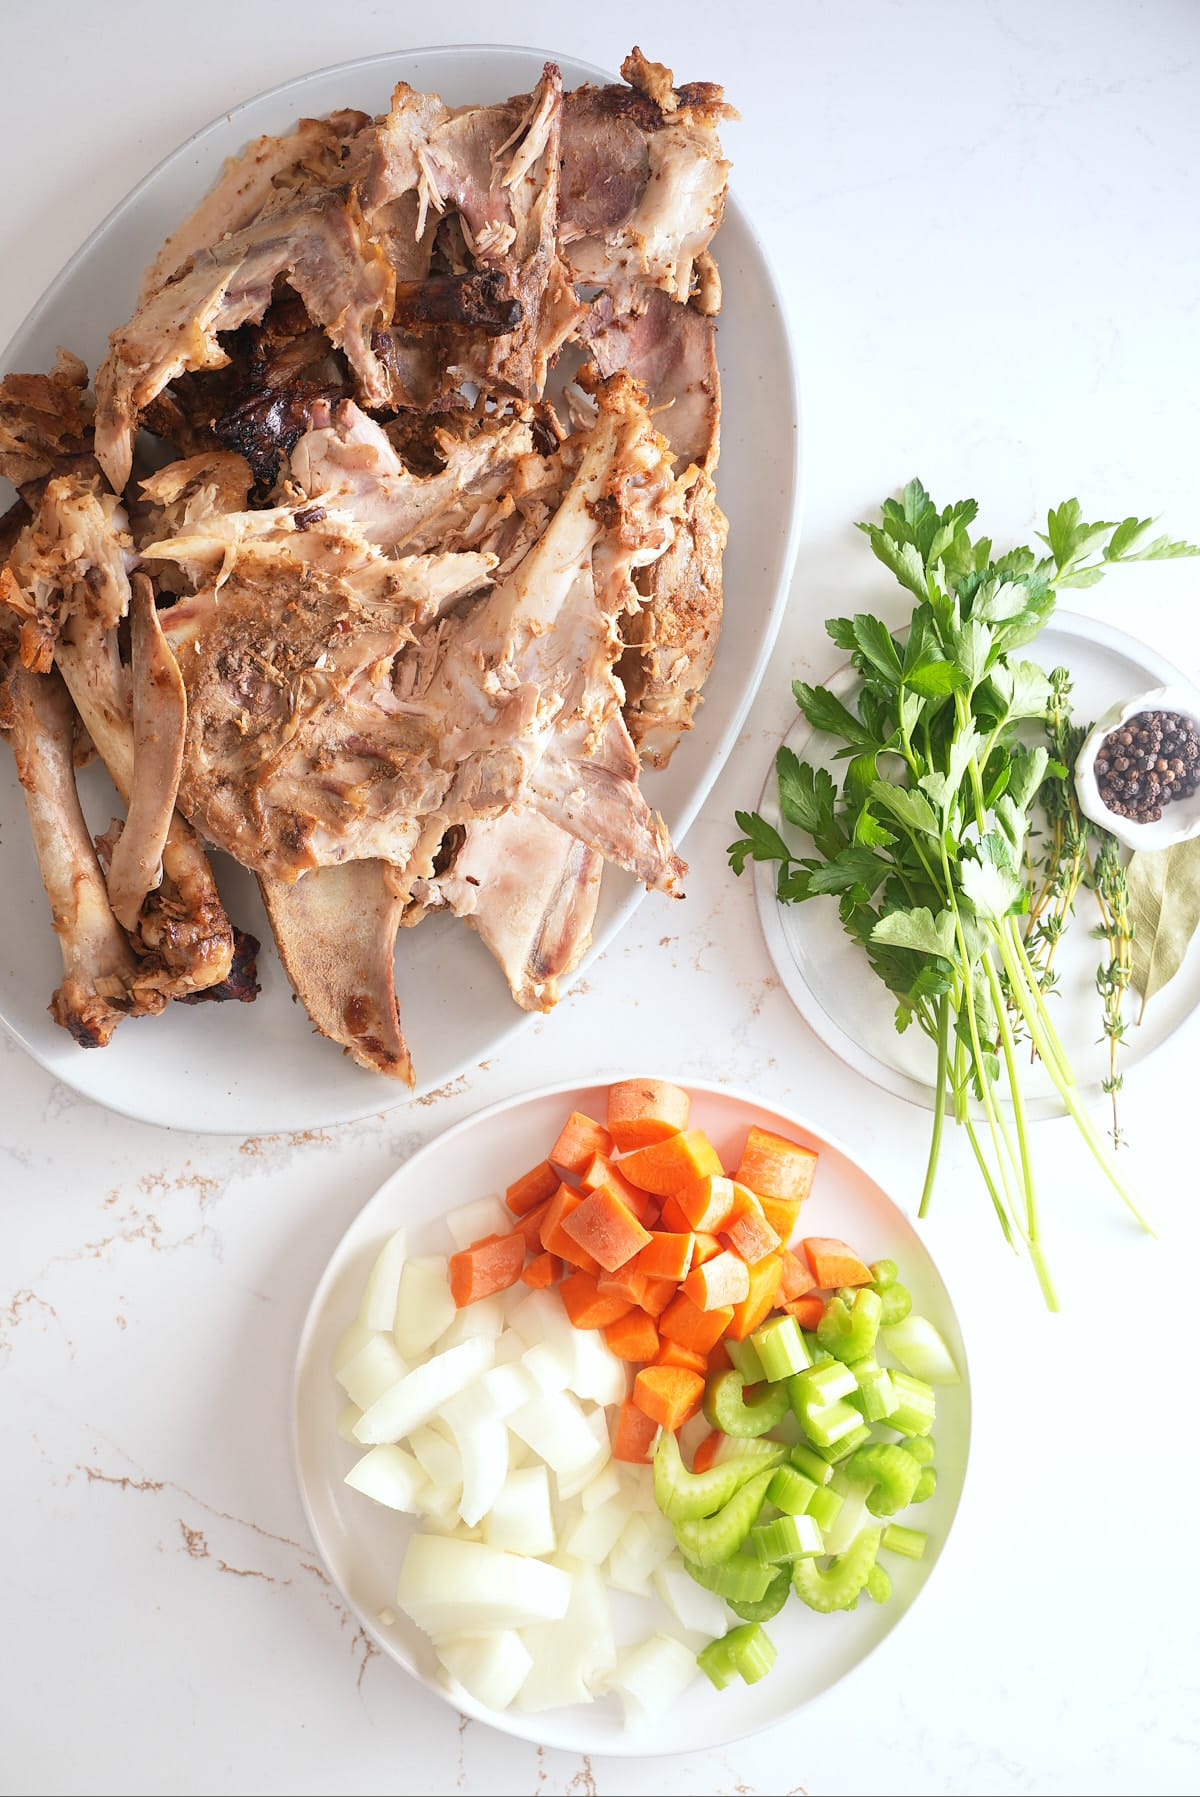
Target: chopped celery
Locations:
point(875, 1397)
point(915, 1405)
point(680, 1494)
point(746, 1652)
point(790, 1491)
point(891, 1473)
point(786, 1538)
point(848, 1330)
point(926, 1484)
point(780, 1347)
point(810, 1464)
point(745, 1359)
point(728, 1410)
point(883, 1274)
point(756, 1450)
point(824, 1384)
point(919, 1348)
point(922, 1449)
point(825, 1505)
point(879, 1585)
point(846, 1444)
point(818, 1401)
point(909, 1542)
point(711, 1539)
point(896, 1303)
point(836, 1586)
point(743, 1579)
point(772, 1600)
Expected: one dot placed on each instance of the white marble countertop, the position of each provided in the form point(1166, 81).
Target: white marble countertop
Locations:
point(984, 219)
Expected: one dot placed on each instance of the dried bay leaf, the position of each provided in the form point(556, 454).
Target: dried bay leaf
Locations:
point(1164, 907)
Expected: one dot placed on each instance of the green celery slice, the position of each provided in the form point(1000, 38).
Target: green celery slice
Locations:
point(745, 1359)
point(728, 1410)
point(786, 1538)
point(890, 1472)
point(743, 1578)
point(711, 1539)
point(824, 1506)
point(926, 1484)
point(922, 1449)
point(846, 1443)
point(772, 1600)
point(746, 1652)
point(909, 1542)
point(883, 1274)
point(848, 1330)
point(836, 1586)
point(810, 1464)
point(876, 1395)
point(790, 1491)
point(780, 1347)
point(916, 1405)
point(896, 1303)
point(681, 1494)
point(879, 1584)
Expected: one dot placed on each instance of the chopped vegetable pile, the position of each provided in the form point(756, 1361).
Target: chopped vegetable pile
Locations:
point(492, 1393)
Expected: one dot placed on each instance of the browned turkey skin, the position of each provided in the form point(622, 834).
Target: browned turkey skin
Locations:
point(394, 628)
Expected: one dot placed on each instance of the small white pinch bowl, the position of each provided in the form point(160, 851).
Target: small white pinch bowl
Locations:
point(1180, 819)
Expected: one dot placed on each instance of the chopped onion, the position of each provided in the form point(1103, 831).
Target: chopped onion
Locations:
point(571, 1656)
point(378, 1310)
point(921, 1351)
point(472, 1222)
point(424, 1307)
point(423, 1391)
point(698, 1611)
point(652, 1676)
point(646, 1541)
point(374, 1370)
point(451, 1587)
point(521, 1518)
point(491, 1669)
point(391, 1476)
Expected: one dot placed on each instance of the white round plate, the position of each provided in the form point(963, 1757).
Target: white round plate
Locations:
point(362, 1545)
point(833, 988)
point(261, 1068)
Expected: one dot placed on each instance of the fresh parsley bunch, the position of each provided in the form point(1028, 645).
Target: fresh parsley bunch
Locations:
point(924, 844)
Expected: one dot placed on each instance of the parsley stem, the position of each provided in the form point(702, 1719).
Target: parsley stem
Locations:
point(939, 1102)
point(1032, 1231)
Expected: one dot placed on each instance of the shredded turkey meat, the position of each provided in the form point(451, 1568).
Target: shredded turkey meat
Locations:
point(404, 599)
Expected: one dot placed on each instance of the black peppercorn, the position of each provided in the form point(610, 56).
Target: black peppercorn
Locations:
point(1148, 761)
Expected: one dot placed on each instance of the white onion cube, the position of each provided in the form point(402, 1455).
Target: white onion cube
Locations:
point(424, 1307)
point(378, 1308)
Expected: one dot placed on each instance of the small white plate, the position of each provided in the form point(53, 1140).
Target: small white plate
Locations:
point(833, 988)
point(362, 1545)
point(260, 1068)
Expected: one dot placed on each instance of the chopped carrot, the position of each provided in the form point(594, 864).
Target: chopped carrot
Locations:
point(530, 1226)
point(579, 1139)
point(635, 1432)
point(543, 1270)
point(782, 1214)
point(832, 1263)
point(641, 1111)
point(487, 1266)
point(807, 1310)
point(668, 1394)
point(672, 1216)
point(748, 1230)
point(718, 1359)
point(667, 1256)
point(602, 1174)
point(606, 1229)
point(632, 1337)
point(722, 1280)
point(709, 1203)
point(796, 1278)
point(675, 1354)
point(764, 1287)
point(668, 1168)
point(706, 1450)
point(553, 1236)
point(707, 1248)
point(773, 1167)
point(587, 1307)
point(533, 1188)
point(658, 1294)
point(623, 1282)
point(683, 1321)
